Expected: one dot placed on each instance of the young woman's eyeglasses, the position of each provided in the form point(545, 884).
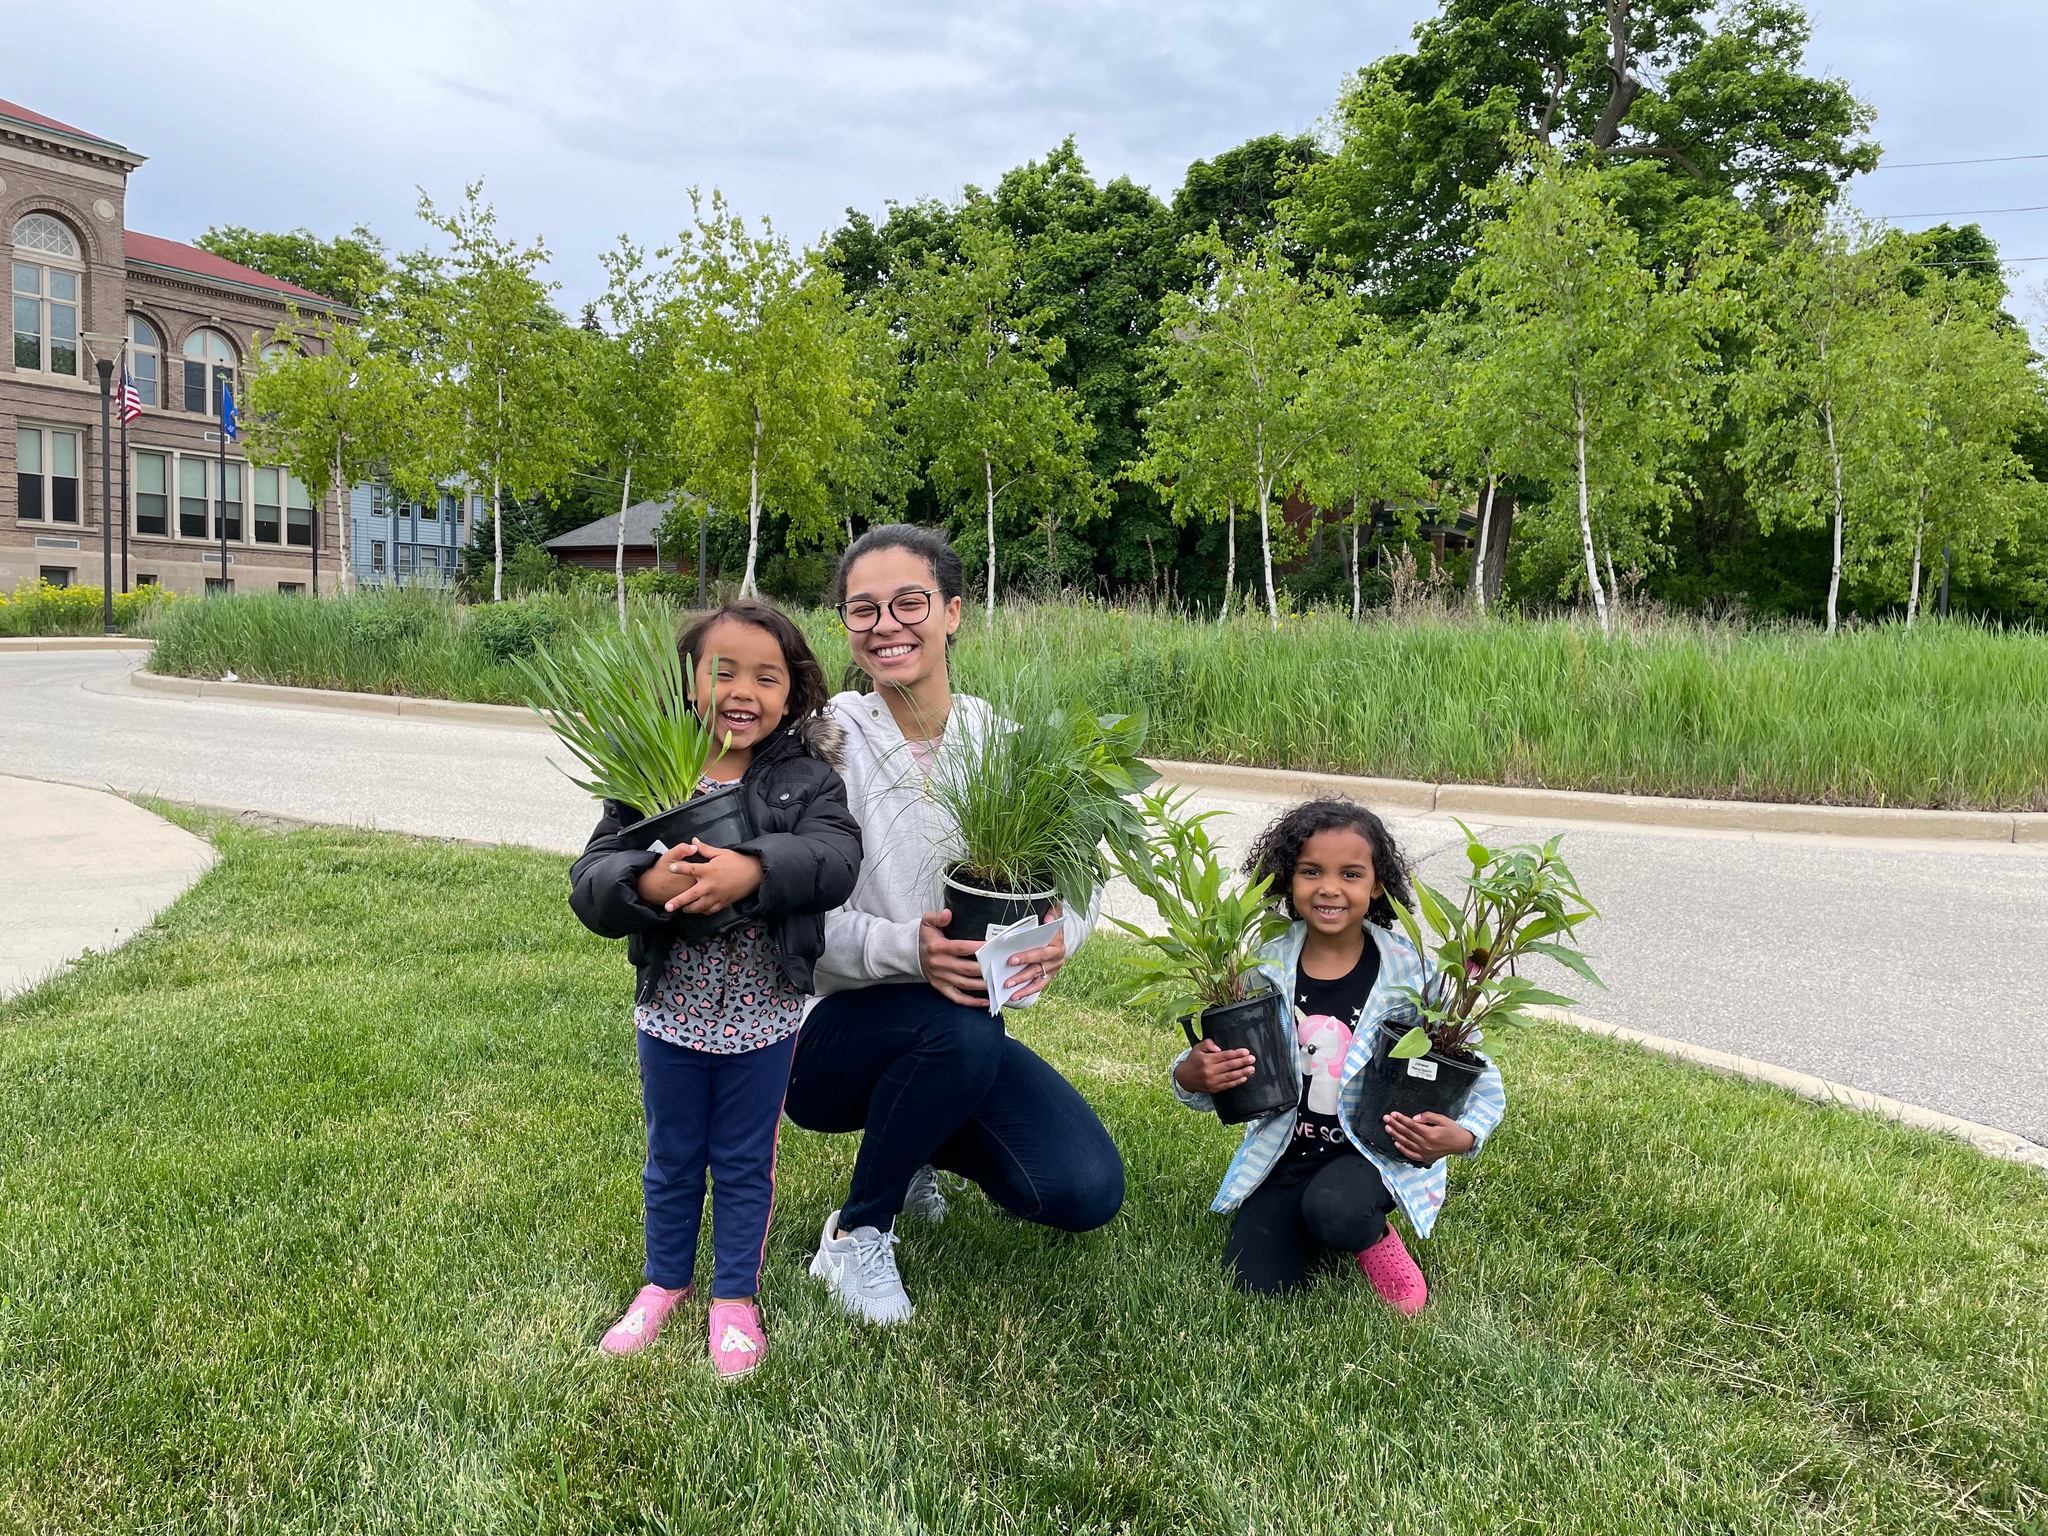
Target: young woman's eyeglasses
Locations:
point(860, 613)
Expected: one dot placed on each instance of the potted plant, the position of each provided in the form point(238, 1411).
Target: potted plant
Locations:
point(625, 703)
point(1518, 901)
point(1033, 800)
point(1204, 967)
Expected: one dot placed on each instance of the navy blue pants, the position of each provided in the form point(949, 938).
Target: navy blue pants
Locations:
point(933, 1082)
point(716, 1113)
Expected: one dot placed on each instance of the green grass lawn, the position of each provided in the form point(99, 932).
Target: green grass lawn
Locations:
point(315, 1198)
point(1949, 714)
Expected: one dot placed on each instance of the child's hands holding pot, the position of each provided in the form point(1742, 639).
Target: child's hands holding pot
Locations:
point(724, 877)
point(1208, 1068)
point(1426, 1137)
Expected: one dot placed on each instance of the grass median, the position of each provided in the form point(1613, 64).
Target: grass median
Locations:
point(1949, 715)
point(315, 1198)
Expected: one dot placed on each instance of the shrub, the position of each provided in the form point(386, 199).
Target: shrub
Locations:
point(506, 630)
point(38, 608)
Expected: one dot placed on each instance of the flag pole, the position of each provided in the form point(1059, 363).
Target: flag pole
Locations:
point(220, 484)
point(125, 503)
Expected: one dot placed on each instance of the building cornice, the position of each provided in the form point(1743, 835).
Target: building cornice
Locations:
point(99, 152)
point(198, 282)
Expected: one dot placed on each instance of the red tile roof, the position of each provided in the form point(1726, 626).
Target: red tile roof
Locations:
point(189, 258)
point(37, 120)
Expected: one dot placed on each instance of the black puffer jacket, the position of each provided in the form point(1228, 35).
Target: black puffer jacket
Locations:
point(807, 841)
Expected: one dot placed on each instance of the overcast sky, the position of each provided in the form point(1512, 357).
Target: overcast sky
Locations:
point(589, 120)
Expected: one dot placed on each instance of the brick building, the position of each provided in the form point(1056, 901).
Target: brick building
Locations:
point(84, 286)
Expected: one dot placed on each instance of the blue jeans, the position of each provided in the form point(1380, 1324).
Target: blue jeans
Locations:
point(721, 1113)
point(933, 1082)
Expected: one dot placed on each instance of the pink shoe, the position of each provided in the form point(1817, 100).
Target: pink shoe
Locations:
point(637, 1329)
point(737, 1343)
point(1394, 1275)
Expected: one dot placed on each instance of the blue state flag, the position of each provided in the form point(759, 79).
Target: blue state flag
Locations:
point(228, 424)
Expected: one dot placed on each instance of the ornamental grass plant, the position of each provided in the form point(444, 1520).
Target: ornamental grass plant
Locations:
point(42, 608)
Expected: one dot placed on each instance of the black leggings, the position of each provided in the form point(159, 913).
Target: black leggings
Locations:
point(1300, 1212)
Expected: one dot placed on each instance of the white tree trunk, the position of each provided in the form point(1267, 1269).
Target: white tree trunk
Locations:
point(988, 471)
point(1586, 519)
point(1479, 554)
point(1919, 539)
point(1266, 534)
point(1827, 411)
point(497, 522)
point(747, 588)
point(1229, 560)
point(347, 584)
point(1357, 606)
point(619, 551)
point(1613, 586)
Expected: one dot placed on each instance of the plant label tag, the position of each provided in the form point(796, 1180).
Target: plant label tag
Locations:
point(1422, 1067)
point(1001, 980)
point(657, 846)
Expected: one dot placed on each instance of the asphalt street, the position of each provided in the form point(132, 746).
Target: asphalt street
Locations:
point(1912, 970)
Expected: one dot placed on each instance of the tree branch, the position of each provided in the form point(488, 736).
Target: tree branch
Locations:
point(1662, 152)
point(1626, 86)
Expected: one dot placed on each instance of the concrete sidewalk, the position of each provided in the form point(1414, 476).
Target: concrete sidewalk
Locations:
point(80, 870)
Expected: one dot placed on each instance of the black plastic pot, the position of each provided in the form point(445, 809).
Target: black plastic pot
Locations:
point(1389, 1085)
point(1259, 1025)
point(976, 909)
point(720, 818)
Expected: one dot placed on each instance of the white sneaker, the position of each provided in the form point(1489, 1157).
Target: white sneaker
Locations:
point(859, 1270)
point(925, 1199)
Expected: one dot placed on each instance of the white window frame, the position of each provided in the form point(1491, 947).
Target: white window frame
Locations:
point(150, 388)
point(168, 494)
point(41, 268)
point(216, 368)
point(46, 471)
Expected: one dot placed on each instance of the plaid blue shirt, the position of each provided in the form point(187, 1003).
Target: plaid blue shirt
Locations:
point(1419, 1191)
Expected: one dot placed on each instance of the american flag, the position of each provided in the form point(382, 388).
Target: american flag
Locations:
point(131, 398)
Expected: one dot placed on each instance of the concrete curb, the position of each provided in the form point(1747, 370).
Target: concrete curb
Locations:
point(1988, 1139)
point(1651, 811)
point(1404, 796)
point(74, 643)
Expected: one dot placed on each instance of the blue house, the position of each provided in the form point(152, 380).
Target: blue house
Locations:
point(393, 541)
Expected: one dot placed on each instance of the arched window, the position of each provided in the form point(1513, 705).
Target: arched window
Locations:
point(145, 360)
point(209, 363)
point(48, 278)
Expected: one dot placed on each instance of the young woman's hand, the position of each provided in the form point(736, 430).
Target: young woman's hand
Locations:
point(1208, 1068)
point(725, 876)
point(1039, 966)
point(1426, 1137)
point(949, 964)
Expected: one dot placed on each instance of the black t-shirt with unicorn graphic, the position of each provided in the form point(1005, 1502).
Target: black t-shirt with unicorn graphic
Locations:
point(1326, 1016)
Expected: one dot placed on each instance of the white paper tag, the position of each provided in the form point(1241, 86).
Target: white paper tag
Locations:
point(1422, 1067)
point(657, 846)
point(1004, 942)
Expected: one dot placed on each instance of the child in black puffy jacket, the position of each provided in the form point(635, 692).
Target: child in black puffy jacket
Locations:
point(716, 1019)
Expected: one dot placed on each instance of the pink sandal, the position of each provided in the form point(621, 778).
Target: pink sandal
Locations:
point(1394, 1274)
point(736, 1341)
point(637, 1329)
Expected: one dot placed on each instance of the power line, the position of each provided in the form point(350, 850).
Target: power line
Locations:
point(1921, 165)
point(1958, 213)
point(1980, 261)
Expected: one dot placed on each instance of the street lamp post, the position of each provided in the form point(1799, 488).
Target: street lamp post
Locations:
point(106, 371)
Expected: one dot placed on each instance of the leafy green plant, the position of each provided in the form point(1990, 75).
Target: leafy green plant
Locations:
point(513, 629)
point(1518, 901)
point(1214, 931)
point(1035, 797)
point(625, 704)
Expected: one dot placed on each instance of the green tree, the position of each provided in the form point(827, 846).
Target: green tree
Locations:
point(329, 407)
point(1813, 398)
point(1248, 358)
point(981, 406)
point(1704, 100)
point(352, 268)
point(631, 387)
point(1380, 425)
point(1238, 195)
point(502, 406)
point(773, 393)
point(1596, 365)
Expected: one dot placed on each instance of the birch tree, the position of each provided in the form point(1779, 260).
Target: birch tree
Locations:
point(1247, 357)
point(331, 409)
point(503, 412)
point(771, 392)
point(631, 388)
point(1379, 412)
point(1597, 364)
point(980, 407)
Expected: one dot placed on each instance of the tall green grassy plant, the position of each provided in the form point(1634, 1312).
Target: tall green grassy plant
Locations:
point(625, 704)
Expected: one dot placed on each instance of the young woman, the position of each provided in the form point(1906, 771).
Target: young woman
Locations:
point(901, 1043)
point(1302, 1184)
point(716, 1020)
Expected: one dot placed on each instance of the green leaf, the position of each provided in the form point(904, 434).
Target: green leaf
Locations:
point(1414, 1043)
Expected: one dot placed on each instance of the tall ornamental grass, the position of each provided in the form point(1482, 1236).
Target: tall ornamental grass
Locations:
point(1951, 714)
point(39, 608)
